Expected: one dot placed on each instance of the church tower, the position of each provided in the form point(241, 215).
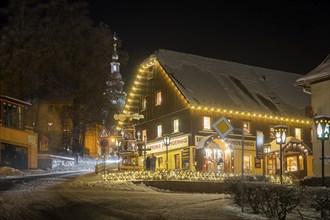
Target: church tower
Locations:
point(114, 92)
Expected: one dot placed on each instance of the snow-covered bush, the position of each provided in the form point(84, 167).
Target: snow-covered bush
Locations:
point(272, 200)
point(317, 198)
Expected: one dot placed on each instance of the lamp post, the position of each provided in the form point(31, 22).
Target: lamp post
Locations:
point(167, 140)
point(118, 143)
point(280, 134)
point(322, 124)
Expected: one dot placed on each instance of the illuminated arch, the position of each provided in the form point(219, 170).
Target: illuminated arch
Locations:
point(215, 142)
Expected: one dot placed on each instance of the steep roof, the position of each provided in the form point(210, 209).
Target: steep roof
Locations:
point(217, 83)
point(320, 73)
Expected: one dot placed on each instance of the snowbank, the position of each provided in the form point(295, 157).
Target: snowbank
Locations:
point(9, 171)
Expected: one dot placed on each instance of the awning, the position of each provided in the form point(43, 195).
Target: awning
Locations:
point(292, 144)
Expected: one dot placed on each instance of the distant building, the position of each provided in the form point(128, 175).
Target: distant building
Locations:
point(317, 83)
point(18, 142)
point(183, 95)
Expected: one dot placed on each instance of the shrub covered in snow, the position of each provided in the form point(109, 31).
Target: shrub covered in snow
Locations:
point(318, 199)
point(275, 200)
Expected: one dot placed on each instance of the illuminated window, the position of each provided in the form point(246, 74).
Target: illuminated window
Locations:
point(176, 125)
point(246, 127)
point(271, 131)
point(144, 135)
point(297, 133)
point(206, 122)
point(143, 104)
point(246, 162)
point(159, 131)
point(158, 98)
point(301, 162)
point(292, 164)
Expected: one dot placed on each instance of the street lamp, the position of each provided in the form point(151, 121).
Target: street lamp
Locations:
point(322, 124)
point(280, 134)
point(118, 143)
point(167, 140)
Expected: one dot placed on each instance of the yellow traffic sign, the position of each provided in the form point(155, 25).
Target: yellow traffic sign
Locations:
point(223, 127)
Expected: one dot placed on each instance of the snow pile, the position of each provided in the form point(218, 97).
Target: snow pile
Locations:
point(95, 182)
point(9, 171)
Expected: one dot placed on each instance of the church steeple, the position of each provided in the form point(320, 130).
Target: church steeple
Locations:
point(115, 64)
point(114, 93)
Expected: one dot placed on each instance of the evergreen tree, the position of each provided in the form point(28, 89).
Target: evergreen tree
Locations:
point(51, 48)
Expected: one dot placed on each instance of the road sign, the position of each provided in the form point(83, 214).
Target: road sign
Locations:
point(104, 133)
point(223, 127)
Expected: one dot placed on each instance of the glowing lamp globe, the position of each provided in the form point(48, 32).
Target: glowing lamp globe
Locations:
point(280, 133)
point(322, 125)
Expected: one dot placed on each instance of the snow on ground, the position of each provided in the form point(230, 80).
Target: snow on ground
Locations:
point(90, 197)
point(95, 197)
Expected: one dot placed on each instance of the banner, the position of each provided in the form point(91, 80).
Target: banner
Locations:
point(260, 145)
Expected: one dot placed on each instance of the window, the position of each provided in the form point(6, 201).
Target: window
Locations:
point(206, 122)
point(246, 127)
point(301, 162)
point(271, 131)
point(12, 115)
point(297, 133)
point(158, 100)
point(159, 131)
point(143, 104)
point(176, 125)
point(160, 162)
point(144, 135)
point(246, 162)
point(292, 164)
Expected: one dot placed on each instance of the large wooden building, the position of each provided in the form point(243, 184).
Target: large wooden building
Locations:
point(183, 95)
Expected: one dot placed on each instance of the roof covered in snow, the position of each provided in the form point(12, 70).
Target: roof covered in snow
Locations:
point(217, 83)
point(320, 73)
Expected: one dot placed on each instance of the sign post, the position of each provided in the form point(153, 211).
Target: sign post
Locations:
point(103, 144)
point(223, 127)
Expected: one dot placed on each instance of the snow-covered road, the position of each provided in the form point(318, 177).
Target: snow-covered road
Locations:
point(89, 197)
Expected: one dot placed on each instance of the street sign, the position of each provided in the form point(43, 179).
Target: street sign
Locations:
point(104, 133)
point(223, 127)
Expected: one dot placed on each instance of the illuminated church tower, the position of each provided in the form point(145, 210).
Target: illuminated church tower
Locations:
point(115, 97)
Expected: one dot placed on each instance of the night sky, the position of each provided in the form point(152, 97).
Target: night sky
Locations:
point(292, 36)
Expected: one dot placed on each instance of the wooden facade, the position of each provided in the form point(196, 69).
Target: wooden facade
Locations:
point(169, 109)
